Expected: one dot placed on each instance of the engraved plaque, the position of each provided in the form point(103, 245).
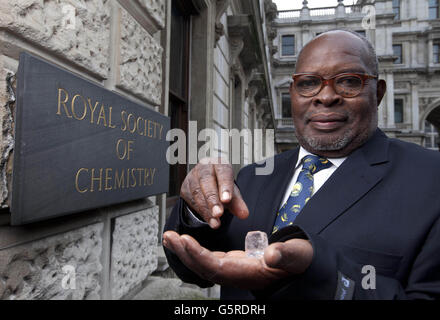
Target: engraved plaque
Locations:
point(80, 146)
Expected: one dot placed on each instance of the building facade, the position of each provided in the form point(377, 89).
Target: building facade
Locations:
point(106, 253)
point(203, 63)
point(405, 34)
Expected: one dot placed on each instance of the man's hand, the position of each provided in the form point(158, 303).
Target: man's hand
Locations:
point(209, 188)
point(235, 268)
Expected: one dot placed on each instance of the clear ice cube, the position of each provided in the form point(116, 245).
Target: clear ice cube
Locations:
point(256, 242)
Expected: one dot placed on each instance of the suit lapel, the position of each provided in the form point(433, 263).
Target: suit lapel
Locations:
point(272, 191)
point(359, 173)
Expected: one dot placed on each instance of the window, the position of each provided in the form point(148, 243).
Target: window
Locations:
point(435, 52)
point(178, 90)
point(433, 9)
point(398, 110)
point(396, 9)
point(432, 140)
point(362, 33)
point(397, 51)
point(286, 111)
point(288, 45)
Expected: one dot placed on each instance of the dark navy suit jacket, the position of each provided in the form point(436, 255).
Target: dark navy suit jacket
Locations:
point(380, 208)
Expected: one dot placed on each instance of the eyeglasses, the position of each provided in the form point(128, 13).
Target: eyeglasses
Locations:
point(348, 85)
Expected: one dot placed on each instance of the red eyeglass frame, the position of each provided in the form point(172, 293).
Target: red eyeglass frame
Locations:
point(330, 81)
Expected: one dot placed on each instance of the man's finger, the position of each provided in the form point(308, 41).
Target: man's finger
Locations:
point(208, 185)
point(199, 204)
point(172, 241)
point(237, 206)
point(225, 181)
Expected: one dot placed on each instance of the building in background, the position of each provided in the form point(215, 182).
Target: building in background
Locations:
point(406, 36)
point(203, 63)
point(220, 75)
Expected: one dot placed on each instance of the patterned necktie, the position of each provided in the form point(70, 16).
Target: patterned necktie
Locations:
point(301, 192)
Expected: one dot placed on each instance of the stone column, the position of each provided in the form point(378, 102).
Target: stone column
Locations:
point(415, 106)
point(413, 9)
point(390, 100)
point(380, 41)
point(414, 62)
point(430, 53)
point(305, 12)
point(389, 41)
point(258, 138)
point(340, 10)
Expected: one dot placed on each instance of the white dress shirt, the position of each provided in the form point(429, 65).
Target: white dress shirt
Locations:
point(319, 178)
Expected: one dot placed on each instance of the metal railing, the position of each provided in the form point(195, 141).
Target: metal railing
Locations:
point(325, 11)
point(318, 12)
point(353, 9)
point(289, 14)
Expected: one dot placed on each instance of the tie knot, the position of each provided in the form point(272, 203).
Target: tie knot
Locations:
point(313, 163)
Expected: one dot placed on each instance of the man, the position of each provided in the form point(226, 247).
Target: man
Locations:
point(351, 214)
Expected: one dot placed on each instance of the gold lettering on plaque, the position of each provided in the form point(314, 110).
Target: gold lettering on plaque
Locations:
point(138, 126)
point(133, 184)
point(92, 109)
point(102, 116)
point(130, 116)
point(110, 125)
point(107, 179)
point(124, 121)
point(73, 108)
point(110, 179)
point(93, 179)
point(119, 180)
point(77, 178)
point(66, 98)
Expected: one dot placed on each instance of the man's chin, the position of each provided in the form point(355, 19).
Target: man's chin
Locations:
point(326, 142)
point(333, 145)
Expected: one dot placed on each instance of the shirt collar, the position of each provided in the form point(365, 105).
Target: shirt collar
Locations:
point(303, 152)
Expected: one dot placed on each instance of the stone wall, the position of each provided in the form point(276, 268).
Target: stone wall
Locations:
point(133, 252)
point(35, 270)
point(107, 253)
point(140, 63)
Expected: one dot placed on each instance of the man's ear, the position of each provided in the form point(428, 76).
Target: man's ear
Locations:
point(381, 89)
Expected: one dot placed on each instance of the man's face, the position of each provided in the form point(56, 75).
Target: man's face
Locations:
point(329, 124)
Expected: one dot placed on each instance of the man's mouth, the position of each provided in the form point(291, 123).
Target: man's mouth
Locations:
point(327, 121)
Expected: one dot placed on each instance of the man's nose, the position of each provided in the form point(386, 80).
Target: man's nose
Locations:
point(327, 96)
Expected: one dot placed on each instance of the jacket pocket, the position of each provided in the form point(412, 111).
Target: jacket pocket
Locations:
point(385, 264)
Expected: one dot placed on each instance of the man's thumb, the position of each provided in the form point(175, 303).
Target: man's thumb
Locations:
point(293, 256)
point(273, 256)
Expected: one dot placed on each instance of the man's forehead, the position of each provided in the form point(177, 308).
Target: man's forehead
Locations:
point(338, 48)
point(339, 60)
